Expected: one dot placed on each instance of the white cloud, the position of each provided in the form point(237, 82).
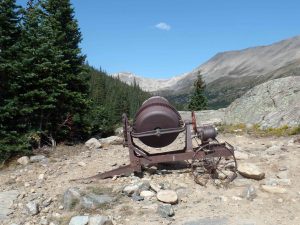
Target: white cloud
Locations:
point(163, 26)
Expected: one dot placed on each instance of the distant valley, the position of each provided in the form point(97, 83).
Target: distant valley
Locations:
point(228, 75)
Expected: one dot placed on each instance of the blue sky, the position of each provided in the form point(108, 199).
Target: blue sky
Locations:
point(164, 38)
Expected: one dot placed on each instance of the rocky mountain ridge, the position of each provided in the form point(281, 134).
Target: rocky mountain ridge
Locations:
point(229, 75)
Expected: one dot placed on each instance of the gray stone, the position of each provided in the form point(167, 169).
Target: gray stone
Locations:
point(93, 201)
point(7, 199)
point(144, 185)
point(32, 208)
point(273, 189)
point(130, 189)
point(71, 198)
point(23, 160)
point(283, 175)
point(44, 221)
point(273, 150)
point(47, 202)
point(119, 132)
point(79, 220)
point(147, 194)
point(154, 186)
point(112, 140)
point(100, 220)
point(38, 158)
point(165, 210)
point(93, 143)
point(136, 188)
point(136, 197)
point(207, 221)
point(249, 193)
point(274, 182)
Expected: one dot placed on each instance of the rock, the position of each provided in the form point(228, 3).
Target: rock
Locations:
point(136, 197)
point(143, 185)
point(112, 140)
point(250, 170)
point(71, 198)
point(283, 168)
point(93, 201)
point(79, 220)
point(165, 210)
point(236, 198)
point(47, 202)
point(7, 199)
point(100, 220)
point(93, 143)
point(23, 160)
point(41, 176)
point(241, 155)
point(44, 221)
point(119, 132)
point(207, 221)
point(53, 223)
point(273, 150)
point(154, 186)
point(274, 182)
point(136, 188)
point(32, 208)
point(38, 158)
point(167, 196)
point(274, 103)
point(130, 189)
point(273, 189)
point(282, 175)
point(147, 194)
point(151, 170)
point(82, 164)
point(249, 193)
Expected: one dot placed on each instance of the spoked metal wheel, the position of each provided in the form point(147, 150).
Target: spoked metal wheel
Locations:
point(208, 164)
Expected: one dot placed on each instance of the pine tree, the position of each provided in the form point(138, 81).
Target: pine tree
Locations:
point(9, 38)
point(198, 101)
point(10, 140)
point(40, 82)
point(74, 102)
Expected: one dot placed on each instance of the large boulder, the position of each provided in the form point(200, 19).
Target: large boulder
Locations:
point(93, 143)
point(271, 104)
point(112, 140)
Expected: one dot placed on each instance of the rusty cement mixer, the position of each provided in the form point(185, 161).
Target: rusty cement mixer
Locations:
point(157, 124)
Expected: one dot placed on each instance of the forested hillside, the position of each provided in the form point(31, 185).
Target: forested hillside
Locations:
point(110, 99)
point(47, 92)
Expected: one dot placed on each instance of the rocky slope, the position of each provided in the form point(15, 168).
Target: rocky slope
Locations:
point(274, 103)
point(230, 74)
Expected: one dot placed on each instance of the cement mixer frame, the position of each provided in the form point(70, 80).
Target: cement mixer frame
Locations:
point(207, 155)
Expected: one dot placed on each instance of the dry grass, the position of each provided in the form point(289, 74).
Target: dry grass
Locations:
point(256, 130)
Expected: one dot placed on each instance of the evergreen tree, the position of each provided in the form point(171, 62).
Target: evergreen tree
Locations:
point(74, 74)
point(9, 39)
point(40, 85)
point(10, 140)
point(198, 100)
